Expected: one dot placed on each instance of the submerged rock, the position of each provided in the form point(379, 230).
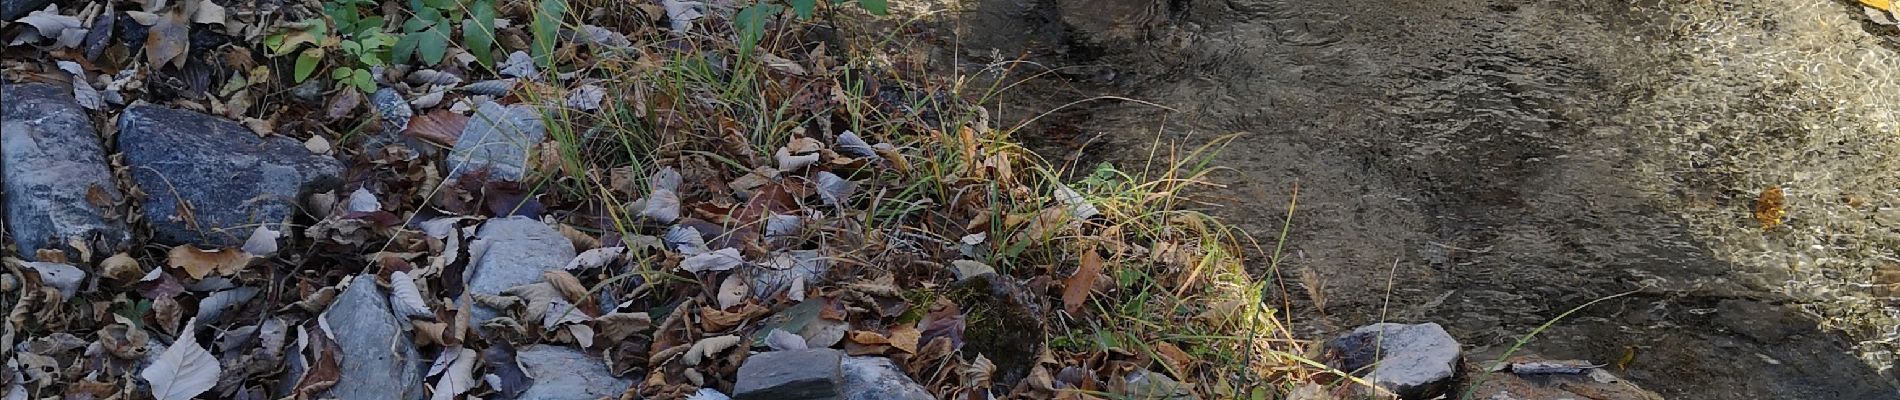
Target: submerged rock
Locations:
point(1530, 378)
point(379, 359)
point(209, 181)
point(498, 139)
point(55, 170)
point(877, 378)
point(563, 373)
point(511, 252)
point(1414, 361)
point(790, 375)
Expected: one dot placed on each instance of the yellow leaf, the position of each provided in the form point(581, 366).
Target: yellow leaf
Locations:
point(1770, 207)
point(201, 263)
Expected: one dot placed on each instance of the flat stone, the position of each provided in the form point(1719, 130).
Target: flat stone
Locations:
point(209, 181)
point(563, 373)
point(51, 158)
point(1414, 361)
point(1587, 383)
point(497, 138)
point(790, 375)
point(877, 378)
point(512, 252)
point(379, 359)
point(14, 9)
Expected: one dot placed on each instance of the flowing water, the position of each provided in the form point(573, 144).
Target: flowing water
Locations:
point(1488, 165)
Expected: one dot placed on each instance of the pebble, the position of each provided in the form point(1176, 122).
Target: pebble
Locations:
point(564, 373)
point(498, 138)
point(52, 161)
point(877, 378)
point(379, 359)
point(1415, 361)
point(790, 375)
point(209, 181)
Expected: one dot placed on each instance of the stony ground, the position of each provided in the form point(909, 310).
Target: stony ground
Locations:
point(1489, 165)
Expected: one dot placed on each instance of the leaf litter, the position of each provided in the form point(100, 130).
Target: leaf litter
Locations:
point(799, 234)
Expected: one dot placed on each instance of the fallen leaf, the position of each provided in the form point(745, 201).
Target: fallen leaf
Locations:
point(595, 258)
point(121, 267)
point(721, 260)
point(458, 377)
point(263, 241)
point(168, 40)
point(65, 278)
point(905, 338)
point(732, 291)
point(1177, 362)
point(780, 340)
point(208, 13)
point(1077, 287)
point(442, 127)
point(215, 306)
point(709, 347)
point(201, 263)
point(617, 326)
point(569, 286)
point(1771, 207)
point(184, 370)
point(405, 298)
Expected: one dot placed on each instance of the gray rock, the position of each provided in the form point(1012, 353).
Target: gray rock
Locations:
point(790, 375)
point(379, 359)
point(877, 378)
point(14, 9)
point(51, 158)
point(511, 252)
point(1414, 361)
point(562, 373)
point(1150, 385)
point(228, 178)
point(497, 138)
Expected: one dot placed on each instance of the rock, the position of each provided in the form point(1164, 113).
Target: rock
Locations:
point(51, 159)
point(511, 252)
point(1108, 20)
point(1763, 322)
point(379, 359)
point(790, 375)
point(497, 138)
point(1584, 383)
point(1415, 361)
point(1150, 385)
point(877, 378)
point(14, 9)
point(563, 373)
point(64, 277)
point(209, 181)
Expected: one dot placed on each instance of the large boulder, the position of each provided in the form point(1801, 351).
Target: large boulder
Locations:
point(209, 181)
point(1414, 361)
point(511, 252)
point(790, 375)
point(58, 184)
point(563, 373)
point(379, 359)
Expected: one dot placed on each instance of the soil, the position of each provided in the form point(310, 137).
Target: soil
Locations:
point(1465, 162)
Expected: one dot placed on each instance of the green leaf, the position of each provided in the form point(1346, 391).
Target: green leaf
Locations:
point(307, 63)
point(363, 81)
point(340, 74)
point(547, 27)
point(441, 4)
point(876, 7)
point(751, 23)
point(433, 46)
point(804, 8)
point(405, 47)
point(414, 25)
point(479, 33)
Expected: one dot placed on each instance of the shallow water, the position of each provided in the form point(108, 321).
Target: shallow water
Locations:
point(1488, 165)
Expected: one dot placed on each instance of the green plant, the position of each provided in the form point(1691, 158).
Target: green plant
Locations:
point(360, 40)
point(426, 35)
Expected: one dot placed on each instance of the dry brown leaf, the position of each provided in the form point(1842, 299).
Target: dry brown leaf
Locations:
point(168, 40)
point(905, 338)
point(201, 263)
point(1178, 362)
point(868, 338)
point(570, 287)
point(1077, 287)
point(1770, 207)
point(121, 267)
point(714, 320)
point(442, 127)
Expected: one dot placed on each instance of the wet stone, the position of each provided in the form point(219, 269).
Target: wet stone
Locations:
point(497, 139)
point(563, 373)
point(1580, 383)
point(511, 252)
point(51, 159)
point(790, 375)
point(379, 359)
point(209, 181)
point(877, 378)
point(1414, 361)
